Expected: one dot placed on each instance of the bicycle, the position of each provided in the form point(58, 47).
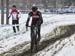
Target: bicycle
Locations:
point(34, 38)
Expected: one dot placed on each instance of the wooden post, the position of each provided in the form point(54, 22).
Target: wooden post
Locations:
point(7, 11)
point(2, 11)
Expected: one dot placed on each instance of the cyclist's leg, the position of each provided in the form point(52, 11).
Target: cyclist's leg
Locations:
point(17, 28)
point(13, 22)
point(14, 29)
point(37, 38)
point(32, 39)
point(17, 22)
point(39, 35)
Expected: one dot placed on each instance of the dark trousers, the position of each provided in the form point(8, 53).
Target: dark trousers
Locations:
point(15, 22)
point(35, 40)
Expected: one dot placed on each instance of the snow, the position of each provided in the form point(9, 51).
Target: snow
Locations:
point(67, 50)
point(51, 21)
point(18, 39)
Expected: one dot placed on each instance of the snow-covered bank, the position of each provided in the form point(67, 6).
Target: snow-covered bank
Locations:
point(63, 47)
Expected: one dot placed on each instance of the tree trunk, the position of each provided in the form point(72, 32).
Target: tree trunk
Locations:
point(7, 11)
point(2, 11)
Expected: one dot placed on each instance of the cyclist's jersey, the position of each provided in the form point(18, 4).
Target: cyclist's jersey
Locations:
point(36, 17)
point(15, 14)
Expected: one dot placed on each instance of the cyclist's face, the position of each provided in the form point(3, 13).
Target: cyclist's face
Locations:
point(34, 10)
point(14, 8)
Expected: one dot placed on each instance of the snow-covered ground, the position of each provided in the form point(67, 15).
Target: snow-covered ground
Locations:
point(69, 48)
point(51, 21)
point(64, 47)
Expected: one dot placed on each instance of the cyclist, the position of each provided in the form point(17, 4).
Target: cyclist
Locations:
point(15, 17)
point(36, 20)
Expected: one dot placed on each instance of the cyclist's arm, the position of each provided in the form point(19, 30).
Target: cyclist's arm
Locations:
point(41, 18)
point(9, 15)
point(19, 14)
point(28, 19)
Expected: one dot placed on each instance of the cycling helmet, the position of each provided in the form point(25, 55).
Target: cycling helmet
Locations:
point(14, 6)
point(34, 8)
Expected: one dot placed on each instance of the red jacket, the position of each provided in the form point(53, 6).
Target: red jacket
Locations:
point(14, 13)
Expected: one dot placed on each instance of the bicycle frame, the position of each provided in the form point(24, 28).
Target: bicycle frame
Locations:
point(34, 36)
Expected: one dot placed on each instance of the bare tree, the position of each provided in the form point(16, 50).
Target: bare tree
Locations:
point(7, 11)
point(2, 11)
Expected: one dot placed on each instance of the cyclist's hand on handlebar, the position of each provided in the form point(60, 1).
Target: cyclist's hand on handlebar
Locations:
point(26, 28)
point(26, 25)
